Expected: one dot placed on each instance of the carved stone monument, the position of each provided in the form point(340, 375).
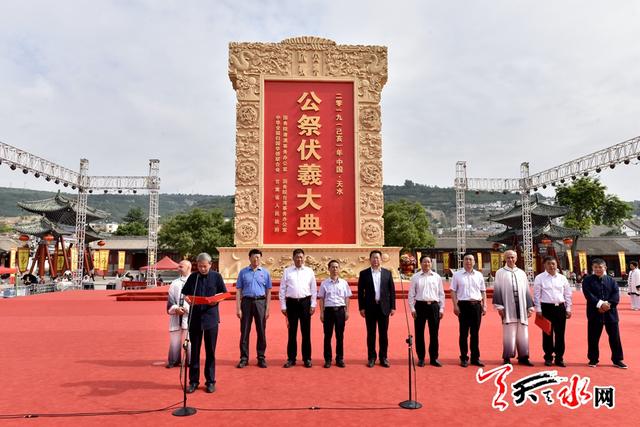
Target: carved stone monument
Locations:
point(308, 154)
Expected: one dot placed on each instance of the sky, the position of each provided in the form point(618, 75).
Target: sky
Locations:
point(495, 83)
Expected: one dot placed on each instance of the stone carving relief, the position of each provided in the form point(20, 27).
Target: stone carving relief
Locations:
point(370, 146)
point(370, 118)
point(371, 202)
point(247, 144)
point(246, 201)
point(371, 174)
point(246, 230)
point(307, 57)
point(247, 116)
point(372, 232)
point(246, 172)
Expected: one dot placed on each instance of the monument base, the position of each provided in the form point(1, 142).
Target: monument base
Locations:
point(276, 259)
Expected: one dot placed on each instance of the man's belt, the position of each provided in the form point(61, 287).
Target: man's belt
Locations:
point(470, 301)
point(254, 298)
point(339, 308)
point(428, 302)
point(299, 299)
point(555, 304)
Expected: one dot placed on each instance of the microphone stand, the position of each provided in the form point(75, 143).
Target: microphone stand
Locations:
point(410, 403)
point(186, 411)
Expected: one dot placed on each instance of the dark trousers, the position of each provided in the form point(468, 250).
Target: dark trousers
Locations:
point(299, 310)
point(374, 317)
point(470, 318)
point(554, 343)
point(210, 340)
point(334, 318)
point(594, 330)
point(253, 310)
point(427, 313)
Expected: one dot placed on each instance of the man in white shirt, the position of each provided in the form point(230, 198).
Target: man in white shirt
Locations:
point(552, 299)
point(298, 292)
point(333, 298)
point(178, 311)
point(469, 298)
point(634, 285)
point(512, 300)
point(426, 300)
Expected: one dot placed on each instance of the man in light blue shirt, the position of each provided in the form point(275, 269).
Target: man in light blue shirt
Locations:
point(252, 303)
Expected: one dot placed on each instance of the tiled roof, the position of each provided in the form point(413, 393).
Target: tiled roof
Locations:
point(61, 210)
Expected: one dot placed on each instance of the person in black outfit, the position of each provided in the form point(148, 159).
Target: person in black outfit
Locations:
point(603, 295)
point(376, 302)
point(203, 322)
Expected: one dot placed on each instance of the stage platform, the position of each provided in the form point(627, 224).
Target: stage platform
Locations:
point(82, 352)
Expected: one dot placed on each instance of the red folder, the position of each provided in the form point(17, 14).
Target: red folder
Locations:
point(543, 323)
point(198, 300)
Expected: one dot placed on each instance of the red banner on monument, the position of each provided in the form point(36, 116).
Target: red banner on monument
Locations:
point(309, 166)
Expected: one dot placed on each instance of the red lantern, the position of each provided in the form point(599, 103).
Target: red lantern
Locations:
point(23, 238)
point(568, 241)
point(496, 246)
point(546, 241)
point(48, 237)
point(101, 243)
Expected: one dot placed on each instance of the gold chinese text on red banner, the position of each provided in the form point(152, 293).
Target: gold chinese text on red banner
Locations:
point(309, 170)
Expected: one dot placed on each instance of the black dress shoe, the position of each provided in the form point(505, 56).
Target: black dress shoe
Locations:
point(192, 387)
point(384, 363)
point(464, 363)
point(370, 363)
point(525, 362)
point(289, 364)
point(307, 363)
point(326, 365)
point(210, 388)
point(421, 363)
point(436, 363)
point(548, 363)
point(340, 363)
point(477, 363)
point(262, 363)
point(506, 361)
point(620, 364)
point(561, 363)
point(241, 364)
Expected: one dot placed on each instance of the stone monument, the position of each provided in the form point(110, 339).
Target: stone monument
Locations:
point(308, 155)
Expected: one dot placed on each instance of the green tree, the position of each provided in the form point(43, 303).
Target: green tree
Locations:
point(406, 224)
point(134, 223)
point(196, 231)
point(591, 206)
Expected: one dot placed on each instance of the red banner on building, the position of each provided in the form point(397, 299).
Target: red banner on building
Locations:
point(309, 167)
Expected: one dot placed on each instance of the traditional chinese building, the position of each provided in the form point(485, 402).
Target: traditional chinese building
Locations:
point(544, 231)
point(57, 222)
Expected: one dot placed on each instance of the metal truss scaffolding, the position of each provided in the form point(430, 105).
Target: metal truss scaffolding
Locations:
point(16, 158)
point(624, 152)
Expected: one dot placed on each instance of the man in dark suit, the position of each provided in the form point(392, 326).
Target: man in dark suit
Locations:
point(203, 322)
point(602, 295)
point(376, 302)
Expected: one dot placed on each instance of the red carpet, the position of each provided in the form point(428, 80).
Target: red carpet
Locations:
point(82, 351)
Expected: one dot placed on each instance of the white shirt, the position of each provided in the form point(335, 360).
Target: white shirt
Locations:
point(297, 283)
point(550, 289)
point(468, 286)
point(174, 297)
point(376, 282)
point(426, 287)
point(634, 279)
point(334, 294)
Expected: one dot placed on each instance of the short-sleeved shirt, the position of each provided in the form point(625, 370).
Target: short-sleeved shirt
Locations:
point(254, 283)
point(334, 293)
point(468, 286)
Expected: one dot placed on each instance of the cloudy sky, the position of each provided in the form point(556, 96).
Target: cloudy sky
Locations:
point(495, 83)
